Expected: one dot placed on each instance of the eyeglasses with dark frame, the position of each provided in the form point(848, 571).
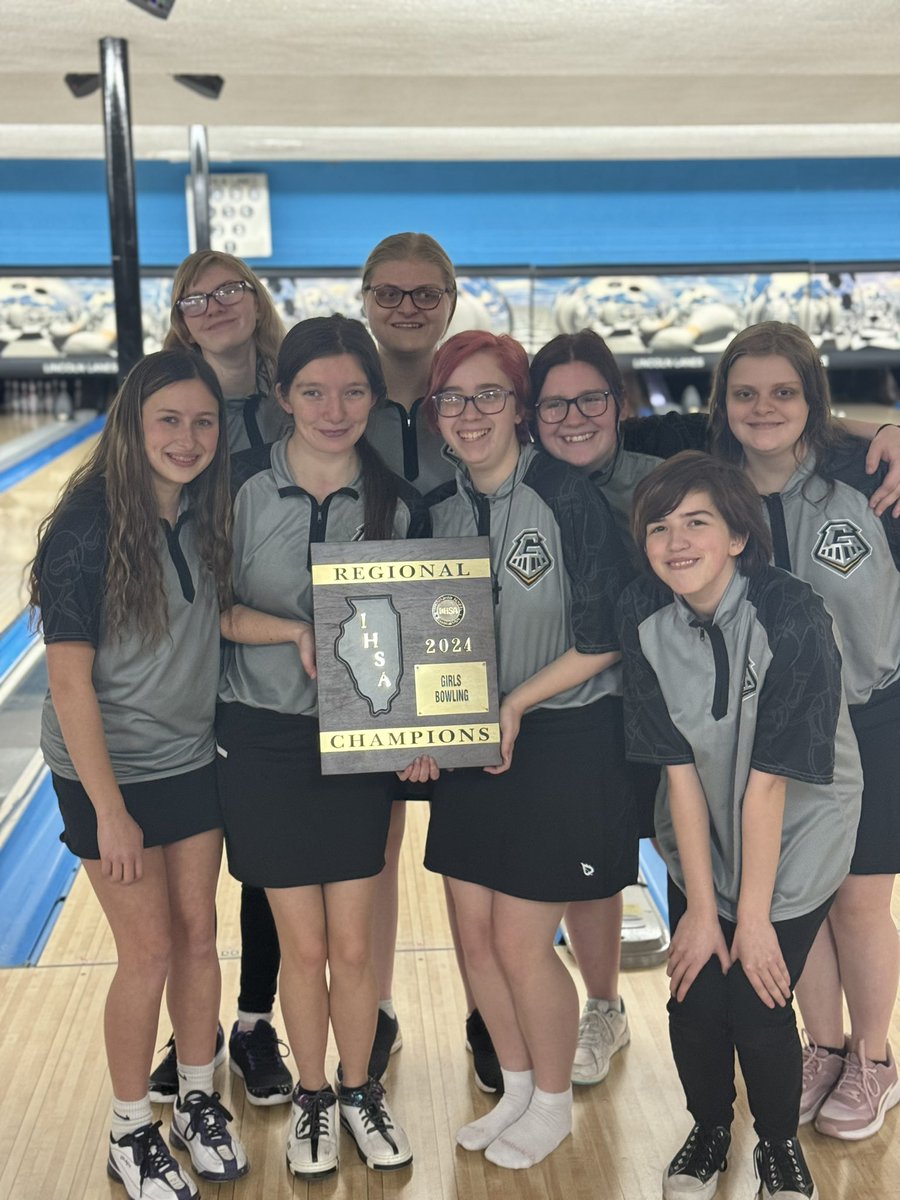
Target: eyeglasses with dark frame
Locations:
point(424, 298)
point(489, 401)
point(225, 294)
point(555, 409)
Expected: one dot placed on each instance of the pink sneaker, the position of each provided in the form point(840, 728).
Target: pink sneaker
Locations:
point(821, 1070)
point(857, 1105)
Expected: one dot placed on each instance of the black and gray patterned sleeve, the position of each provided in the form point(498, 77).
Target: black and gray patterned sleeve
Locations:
point(801, 696)
point(650, 735)
point(71, 569)
point(596, 560)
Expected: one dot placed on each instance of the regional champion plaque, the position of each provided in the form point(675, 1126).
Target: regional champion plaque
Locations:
point(405, 654)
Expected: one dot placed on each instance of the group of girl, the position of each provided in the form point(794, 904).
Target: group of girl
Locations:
point(732, 683)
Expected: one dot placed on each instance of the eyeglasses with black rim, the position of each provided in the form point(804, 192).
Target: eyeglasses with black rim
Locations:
point(225, 294)
point(424, 298)
point(555, 409)
point(488, 402)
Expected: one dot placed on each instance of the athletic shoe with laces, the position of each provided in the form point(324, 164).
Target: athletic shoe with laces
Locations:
point(782, 1171)
point(380, 1141)
point(821, 1070)
point(200, 1126)
point(862, 1096)
point(488, 1075)
point(694, 1171)
point(602, 1030)
point(257, 1057)
point(312, 1145)
point(388, 1041)
point(142, 1163)
point(164, 1080)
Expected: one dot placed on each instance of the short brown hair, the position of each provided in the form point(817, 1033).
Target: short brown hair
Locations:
point(730, 490)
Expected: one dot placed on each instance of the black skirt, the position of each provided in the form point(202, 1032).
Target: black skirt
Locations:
point(167, 810)
point(877, 728)
point(559, 825)
point(287, 824)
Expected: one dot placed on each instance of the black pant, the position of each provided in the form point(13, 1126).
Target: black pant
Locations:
point(721, 1014)
point(260, 952)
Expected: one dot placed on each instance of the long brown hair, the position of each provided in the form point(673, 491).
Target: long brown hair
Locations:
point(134, 598)
point(330, 337)
point(821, 435)
point(269, 325)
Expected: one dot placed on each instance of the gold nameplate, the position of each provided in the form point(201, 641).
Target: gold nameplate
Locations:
point(416, 741)
point(451, 688)
point(399, 572)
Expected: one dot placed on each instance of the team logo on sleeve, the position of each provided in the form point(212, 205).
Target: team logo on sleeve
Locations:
point(529, 559)
point(751, 680)
point(841, 547)
point(359, 535)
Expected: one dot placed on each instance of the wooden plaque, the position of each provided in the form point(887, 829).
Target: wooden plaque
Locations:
point(405, 654)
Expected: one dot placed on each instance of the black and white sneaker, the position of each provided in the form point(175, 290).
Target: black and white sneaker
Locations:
point(312, 1145)
point(388, 1041)
point(694, 1171)
point(782, 1171)
point(488, 1075)
point(257, 1056)
point(200, 1126)
point(141, 1162)
point(164, 1080)
point(380, 1141)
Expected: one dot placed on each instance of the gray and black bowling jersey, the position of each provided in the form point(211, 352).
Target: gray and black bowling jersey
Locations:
point(252, 421)
point(618, 484)
point(558, 564)
point(274, 523)
point(833, 540)
point(408, 444)
point(157, 702)
point(757, 687)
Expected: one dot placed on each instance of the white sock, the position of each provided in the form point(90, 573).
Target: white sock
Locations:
point(536, 1134)
point(387, 1007)
point(195, 1079)
point(247, 1020)
point(517, 1089)
point(129, 1115)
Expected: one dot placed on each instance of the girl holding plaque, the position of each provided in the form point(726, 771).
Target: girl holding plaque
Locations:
point(315, 843)
point(409, 298)
point(521, 840)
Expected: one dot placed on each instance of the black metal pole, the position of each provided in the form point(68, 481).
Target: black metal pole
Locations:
point(199, 148)
point(121, 192)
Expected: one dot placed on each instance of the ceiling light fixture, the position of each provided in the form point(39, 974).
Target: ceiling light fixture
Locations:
point(157, 8)
point(82, 85)
point(209, 86)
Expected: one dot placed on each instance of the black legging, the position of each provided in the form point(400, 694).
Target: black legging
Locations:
point(721, 1014)
point(260, 952)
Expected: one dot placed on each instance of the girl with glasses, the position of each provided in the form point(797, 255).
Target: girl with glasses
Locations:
point(578, 400)
point(315, 843)
point(409, 297)
point(131, 571)
point(521, 840)
point(222, 313)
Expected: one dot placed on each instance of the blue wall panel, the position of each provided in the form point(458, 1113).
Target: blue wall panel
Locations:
point(545, 214)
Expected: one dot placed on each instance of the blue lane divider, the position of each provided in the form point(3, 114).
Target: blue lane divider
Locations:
point(21, 470)
point(655, 876)
point(36, 874)
point(15, 641)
